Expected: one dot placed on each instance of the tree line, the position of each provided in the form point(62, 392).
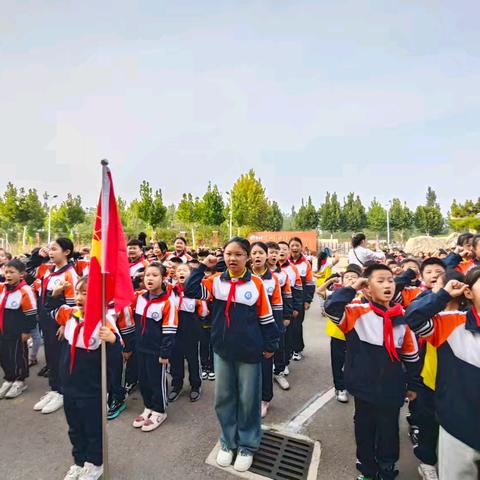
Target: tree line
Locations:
point(25, 211)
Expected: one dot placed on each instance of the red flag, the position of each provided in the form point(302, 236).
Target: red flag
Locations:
point(109, 256)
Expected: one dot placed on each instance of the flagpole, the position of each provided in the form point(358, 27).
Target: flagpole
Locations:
point(104, 210)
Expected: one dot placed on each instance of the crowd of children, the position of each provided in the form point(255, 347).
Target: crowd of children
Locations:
point(401, 328)
point(404, 327)
point(234, 315)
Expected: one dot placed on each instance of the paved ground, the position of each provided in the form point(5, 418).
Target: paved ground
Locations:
point(36, 446)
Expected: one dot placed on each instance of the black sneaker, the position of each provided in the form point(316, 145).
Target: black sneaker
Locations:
point(130, 387)
point(116, 408)
point(173, 395)
point(44, 372)
point(195, 394)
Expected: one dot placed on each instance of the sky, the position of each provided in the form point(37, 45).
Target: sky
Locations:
point(378, 97)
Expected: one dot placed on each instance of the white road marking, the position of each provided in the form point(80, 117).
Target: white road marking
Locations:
point(310, 409)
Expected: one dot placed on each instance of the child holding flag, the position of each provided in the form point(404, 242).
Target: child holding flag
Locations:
point(80, 372)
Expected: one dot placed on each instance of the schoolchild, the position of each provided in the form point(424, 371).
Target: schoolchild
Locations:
point(243, 332)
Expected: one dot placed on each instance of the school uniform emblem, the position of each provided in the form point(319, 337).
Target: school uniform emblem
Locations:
point(14, 304)
point(155, 315)
point(248, 295)
point(270, 290)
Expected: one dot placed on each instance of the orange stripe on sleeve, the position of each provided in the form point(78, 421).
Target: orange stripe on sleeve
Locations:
point(352, 313)
point(263, 305)
point(443, 325)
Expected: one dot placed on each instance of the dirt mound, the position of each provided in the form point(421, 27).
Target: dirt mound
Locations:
point(428, 245)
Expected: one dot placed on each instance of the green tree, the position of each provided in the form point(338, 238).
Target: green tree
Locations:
point(20, 208)
point(307, 216)
point(187, 210)
point(274, 220)
point(122, 210)
point(9, 205)
point(330, 214)
point(188, 213)
point(211, 208)
point(149, 207)
point(353, 216)
point(401, 217)
point(133, 223)
point(431, 198)
point(68, 215)
point(428, 217)
point(158, 210)
point(170, 216)
point(376, 217)
point(250, 205)
point(34, 211)
point(289, 220)
point(465, 216)
point(143, 206)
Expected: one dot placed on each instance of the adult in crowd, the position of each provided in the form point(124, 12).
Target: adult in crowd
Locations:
point(360, 254)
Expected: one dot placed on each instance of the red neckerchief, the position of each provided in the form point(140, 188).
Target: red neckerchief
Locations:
point(6, 294)
point(388, 339)
point(73, 346)
point(179, 289)
point(136, 262)
point(476, 315)
point(301, 259)
point(46, 280)
point(231, 295)
point(143, 320)
point(423, 287)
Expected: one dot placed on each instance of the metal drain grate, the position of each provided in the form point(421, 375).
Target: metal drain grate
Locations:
point(282, 458)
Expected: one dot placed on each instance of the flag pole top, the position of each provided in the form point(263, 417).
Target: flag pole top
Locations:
point(104, 162)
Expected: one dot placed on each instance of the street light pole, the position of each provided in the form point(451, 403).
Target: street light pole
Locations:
point(388, 222)
point(388, 226)
point(50, 219)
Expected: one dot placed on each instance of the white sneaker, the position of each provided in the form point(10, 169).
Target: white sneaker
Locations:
point(243, 461)
point(142, 418)
point(91, 472)
point(16, 389)
point(5, 388)
point(282, 381)
point(73, 473)
point(427, 472)
point(154, 421)
point(297, 356)
point(341, 396)
point(286, 371)
point(54, 404)
point(44, 400)
point(224, 457)
point(264, 409)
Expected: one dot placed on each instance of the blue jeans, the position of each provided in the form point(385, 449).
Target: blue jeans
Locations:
point(238, 396)
point(36, 342)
